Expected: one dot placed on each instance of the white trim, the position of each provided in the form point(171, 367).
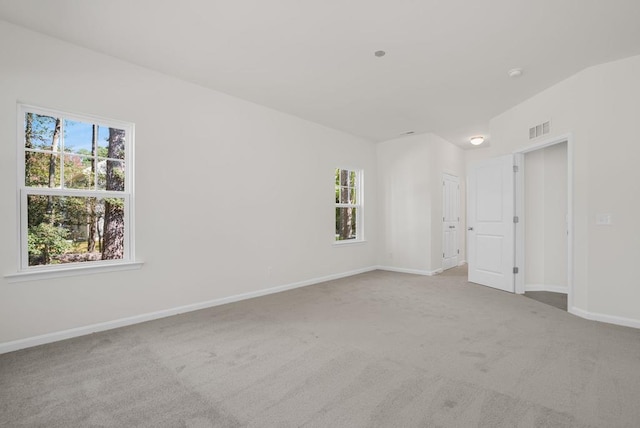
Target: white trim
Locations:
point(568, 138)
point(71, 269)
point(546, 287)
point(519, 239)
point(462, 262)
point(76, 117)
point(94, 328)
point(570, 232)
point(21, 205)
point(610, 319)
point(347, 242)
point(411, 271)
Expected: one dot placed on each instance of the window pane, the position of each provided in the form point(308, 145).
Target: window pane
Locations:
point(40, 132)
point(42, 169)
point(344, 177)
point(111, 142)
point(347, 195)
point(344, 195)
point(77, 172)
point(64, 229)
point(78, 137)
point(345, 223)
point(110, 175)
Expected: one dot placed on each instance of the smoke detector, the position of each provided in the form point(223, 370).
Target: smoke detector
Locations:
point(515, 72)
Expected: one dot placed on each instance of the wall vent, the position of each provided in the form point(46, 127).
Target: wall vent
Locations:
point(539, 130)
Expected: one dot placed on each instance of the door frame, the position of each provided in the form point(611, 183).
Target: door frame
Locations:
point(519, 209)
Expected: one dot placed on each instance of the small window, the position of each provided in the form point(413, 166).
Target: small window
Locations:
point(76, 189)
point(348, 207)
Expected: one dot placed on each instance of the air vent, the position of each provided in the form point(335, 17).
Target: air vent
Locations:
point(539, 130)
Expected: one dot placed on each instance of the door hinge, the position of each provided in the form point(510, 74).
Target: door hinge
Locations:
point(516, 219)
point(515, 168)
point(515, 270)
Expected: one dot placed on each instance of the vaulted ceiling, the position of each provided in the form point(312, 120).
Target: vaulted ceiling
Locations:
point(445, 68)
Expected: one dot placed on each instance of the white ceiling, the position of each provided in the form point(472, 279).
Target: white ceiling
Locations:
point(445, 70)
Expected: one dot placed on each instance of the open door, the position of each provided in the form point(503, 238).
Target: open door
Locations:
point(490, 231)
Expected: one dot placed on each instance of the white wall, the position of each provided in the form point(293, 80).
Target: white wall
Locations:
point(410, 183)
point(534, 218)
point(545, 218)
point(231, 197)
point(600, 107)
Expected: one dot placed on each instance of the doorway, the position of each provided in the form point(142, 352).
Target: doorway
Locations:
point(543, 232)
point(497, 218)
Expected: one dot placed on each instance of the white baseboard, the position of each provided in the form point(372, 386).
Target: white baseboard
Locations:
point(546, 287)
point(412, 271)
point(610, 319)
point(109, 325)
point(462, 262)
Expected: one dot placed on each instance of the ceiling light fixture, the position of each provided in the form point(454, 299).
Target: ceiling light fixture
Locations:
point(515, 72)
point(476, 141)
point(379, 53)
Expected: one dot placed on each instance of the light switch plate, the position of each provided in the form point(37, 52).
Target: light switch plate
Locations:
point(603, 219)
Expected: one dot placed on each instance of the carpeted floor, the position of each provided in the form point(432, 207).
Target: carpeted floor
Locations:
point(379, 349)
point(558, 300)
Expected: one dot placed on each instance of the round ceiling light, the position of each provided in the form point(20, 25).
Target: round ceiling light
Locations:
point(379, 53)
point(476, 141)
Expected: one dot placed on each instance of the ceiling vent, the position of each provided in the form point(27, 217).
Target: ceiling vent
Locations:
point(539, 130)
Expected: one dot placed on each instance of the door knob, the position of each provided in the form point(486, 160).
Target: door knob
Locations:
point(452, 227)
point(470, 228)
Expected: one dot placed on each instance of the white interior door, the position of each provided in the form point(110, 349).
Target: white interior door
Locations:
point(490, 222)
point(450, 220)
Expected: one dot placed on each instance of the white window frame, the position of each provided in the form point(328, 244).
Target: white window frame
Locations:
point(26, 272)
point(359, 206)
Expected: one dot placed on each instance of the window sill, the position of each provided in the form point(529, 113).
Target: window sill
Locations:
point(349, 242)
point(58, 272)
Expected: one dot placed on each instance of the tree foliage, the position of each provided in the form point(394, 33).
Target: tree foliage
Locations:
point(46, 241)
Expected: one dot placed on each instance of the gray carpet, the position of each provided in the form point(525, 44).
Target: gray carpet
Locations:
point(379, 349)
point(558, 300)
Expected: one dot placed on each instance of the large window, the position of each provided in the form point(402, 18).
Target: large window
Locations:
point(348, 205)
point(76, 188)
